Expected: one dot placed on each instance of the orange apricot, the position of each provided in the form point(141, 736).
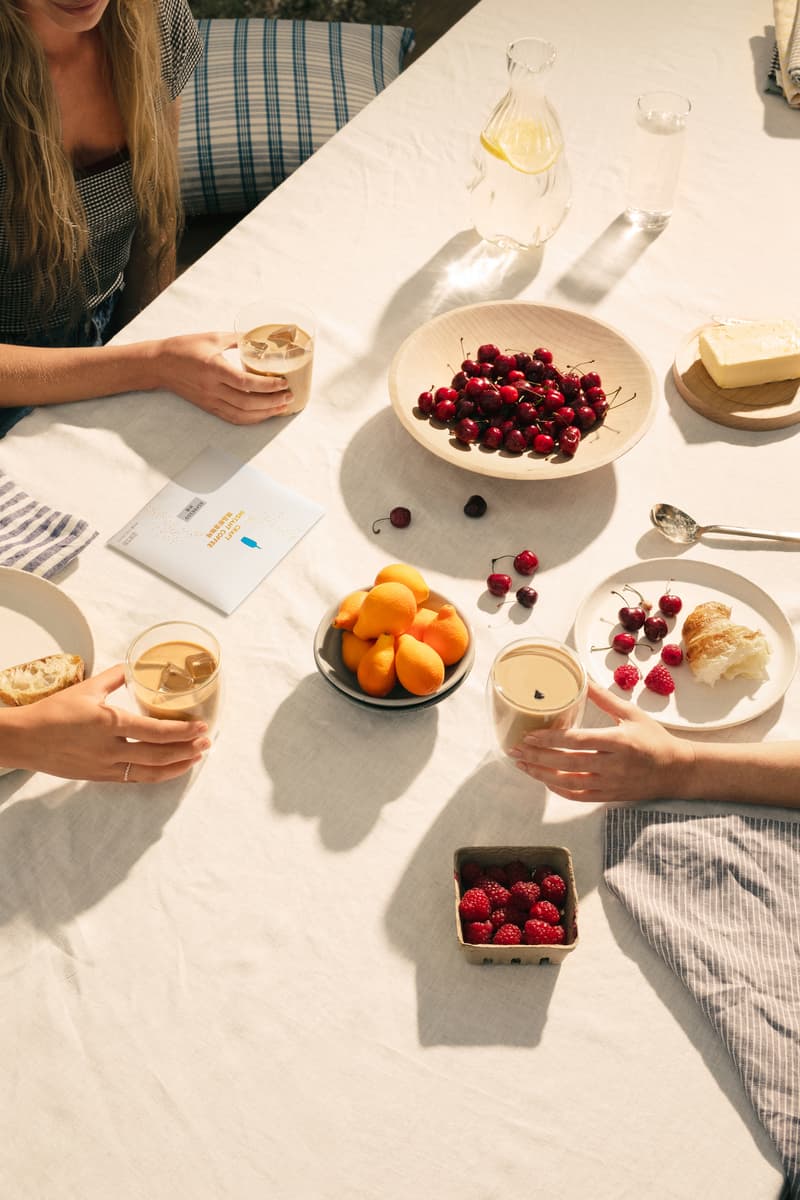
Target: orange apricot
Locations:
point(447, 635)
point(410, 576)
point(387, 608)
point(349, 609)
point(353, 650)
point(419, 668)
point(421, 620)
point(376, 671)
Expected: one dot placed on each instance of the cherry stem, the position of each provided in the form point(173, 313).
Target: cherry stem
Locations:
point(500, 557)
point(378, 521)
point(574, 366)
point(621, 403)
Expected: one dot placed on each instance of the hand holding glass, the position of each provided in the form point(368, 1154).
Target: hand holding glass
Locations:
point(172, 670)
point(534, 683)
point(277, 338)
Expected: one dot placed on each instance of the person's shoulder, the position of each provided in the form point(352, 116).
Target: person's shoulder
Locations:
point(181, 45)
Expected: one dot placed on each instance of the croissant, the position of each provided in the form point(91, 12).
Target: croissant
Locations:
point(718, 649)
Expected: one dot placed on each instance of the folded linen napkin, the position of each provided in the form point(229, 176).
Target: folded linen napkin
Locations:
point(718, 897)
point(36, 538)
point(787, 38)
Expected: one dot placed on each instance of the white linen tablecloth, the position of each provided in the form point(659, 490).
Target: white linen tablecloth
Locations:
point(247, 984)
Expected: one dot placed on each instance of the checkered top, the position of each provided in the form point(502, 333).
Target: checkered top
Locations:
point(107, 194)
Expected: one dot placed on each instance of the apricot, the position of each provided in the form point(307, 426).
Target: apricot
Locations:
point(421, 620)
point(410, 576)
point(419, 668)
point(447, 635)
point(353, 650)
point(387, 608)
point(349, 609)
point(376, 670)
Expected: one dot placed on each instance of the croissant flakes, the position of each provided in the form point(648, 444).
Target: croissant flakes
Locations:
point(716, 648)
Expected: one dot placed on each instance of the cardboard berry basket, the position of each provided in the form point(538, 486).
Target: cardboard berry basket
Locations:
point(557, 857)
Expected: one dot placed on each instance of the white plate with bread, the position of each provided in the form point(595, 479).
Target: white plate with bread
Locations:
point(770, 660)
point(37, 621)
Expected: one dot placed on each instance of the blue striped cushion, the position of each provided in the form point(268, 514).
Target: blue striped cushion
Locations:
point(267, 94)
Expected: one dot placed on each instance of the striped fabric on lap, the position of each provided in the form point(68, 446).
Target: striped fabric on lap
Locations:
point(267, 94)
point(36, 538)
point(718, 897)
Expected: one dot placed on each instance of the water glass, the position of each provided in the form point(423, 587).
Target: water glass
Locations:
point(658, 142)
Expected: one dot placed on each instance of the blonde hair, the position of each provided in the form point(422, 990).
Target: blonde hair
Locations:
point(43, 215)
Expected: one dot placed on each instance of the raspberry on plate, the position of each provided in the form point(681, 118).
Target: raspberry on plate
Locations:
point(525, 892)
point(544, 910)
point(475, 905)
point(542, 933)
point(477, 933)
point(660, 681)
point(553, 888)
point(508, 935)
point(627, 676)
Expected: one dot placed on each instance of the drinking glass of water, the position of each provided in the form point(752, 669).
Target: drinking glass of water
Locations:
point(658, 141)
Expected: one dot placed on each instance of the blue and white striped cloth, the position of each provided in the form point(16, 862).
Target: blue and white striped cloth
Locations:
point(36, 538)
point(267, 94)
point(718, 897)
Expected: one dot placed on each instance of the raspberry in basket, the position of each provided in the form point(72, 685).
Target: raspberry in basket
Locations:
point(508, 935)
point(553, 888)
point(475, 905)
point(477, 933)
point(543, 910)
point(498, 895)
point(542, 933)
point(525, 892)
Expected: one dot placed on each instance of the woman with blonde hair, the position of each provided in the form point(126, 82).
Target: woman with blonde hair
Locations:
point(89, 208)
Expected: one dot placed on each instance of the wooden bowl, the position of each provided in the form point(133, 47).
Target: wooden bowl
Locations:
point(434, 352)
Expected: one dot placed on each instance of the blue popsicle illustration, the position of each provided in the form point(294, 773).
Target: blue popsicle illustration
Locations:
point(248, 541)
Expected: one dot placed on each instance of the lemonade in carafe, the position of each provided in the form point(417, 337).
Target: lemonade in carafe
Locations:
point(521, 191)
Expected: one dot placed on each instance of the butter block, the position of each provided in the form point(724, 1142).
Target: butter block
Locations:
point(748, 353)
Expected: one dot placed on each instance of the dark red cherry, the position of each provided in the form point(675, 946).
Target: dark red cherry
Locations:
point(526, 562)
point(399, 517)
point(498, 585)
point(527, 596)
point(476, 506)
point(655, 628)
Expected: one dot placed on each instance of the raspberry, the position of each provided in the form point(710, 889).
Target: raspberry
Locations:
point(515, 871)
point(475, 905)
point(554, 889)
point(498, 917)
point(542, 872)
point(498, 895)
point(508, 935)
point(660, 681)
point(541, 933)
point(543, 910)
point(516, 915)
point(498, 874)
point(672, 655)
point(477, 933)
point(627, 676)
point(525, 892)
point(470, 871)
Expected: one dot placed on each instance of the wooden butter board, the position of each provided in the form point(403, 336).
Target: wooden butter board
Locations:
point(767, 406)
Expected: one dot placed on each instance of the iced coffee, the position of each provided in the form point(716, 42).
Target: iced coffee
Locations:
point(534, 683)
point(173, 672)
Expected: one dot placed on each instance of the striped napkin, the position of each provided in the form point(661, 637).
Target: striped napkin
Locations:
point(718, 897)
point(36, 538)
point(784, 74)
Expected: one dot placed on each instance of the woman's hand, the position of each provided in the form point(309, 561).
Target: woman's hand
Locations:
point(637, 759)
point(74, 734)
point(194, 366)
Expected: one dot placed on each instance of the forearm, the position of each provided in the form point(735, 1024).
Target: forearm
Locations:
point(12, 737)
point(755, 772)
point(29, 375)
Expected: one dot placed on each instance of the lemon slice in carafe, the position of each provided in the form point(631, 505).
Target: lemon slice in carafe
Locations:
point(527, 146)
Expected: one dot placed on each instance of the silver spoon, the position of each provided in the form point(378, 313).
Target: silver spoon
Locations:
point(678, 526)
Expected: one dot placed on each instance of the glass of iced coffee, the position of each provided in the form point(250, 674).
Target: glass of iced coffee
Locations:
point(277, 338)
point(172, 670)
point(534, 683)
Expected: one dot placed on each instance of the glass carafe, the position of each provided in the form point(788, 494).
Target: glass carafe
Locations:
point(521, 191)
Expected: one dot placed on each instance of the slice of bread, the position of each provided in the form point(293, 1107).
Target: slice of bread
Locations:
point(31, 681)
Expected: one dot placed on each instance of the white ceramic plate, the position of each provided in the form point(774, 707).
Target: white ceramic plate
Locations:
point(37, 618)
point(328, 657)
point(692, 705)
point(433, 353)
